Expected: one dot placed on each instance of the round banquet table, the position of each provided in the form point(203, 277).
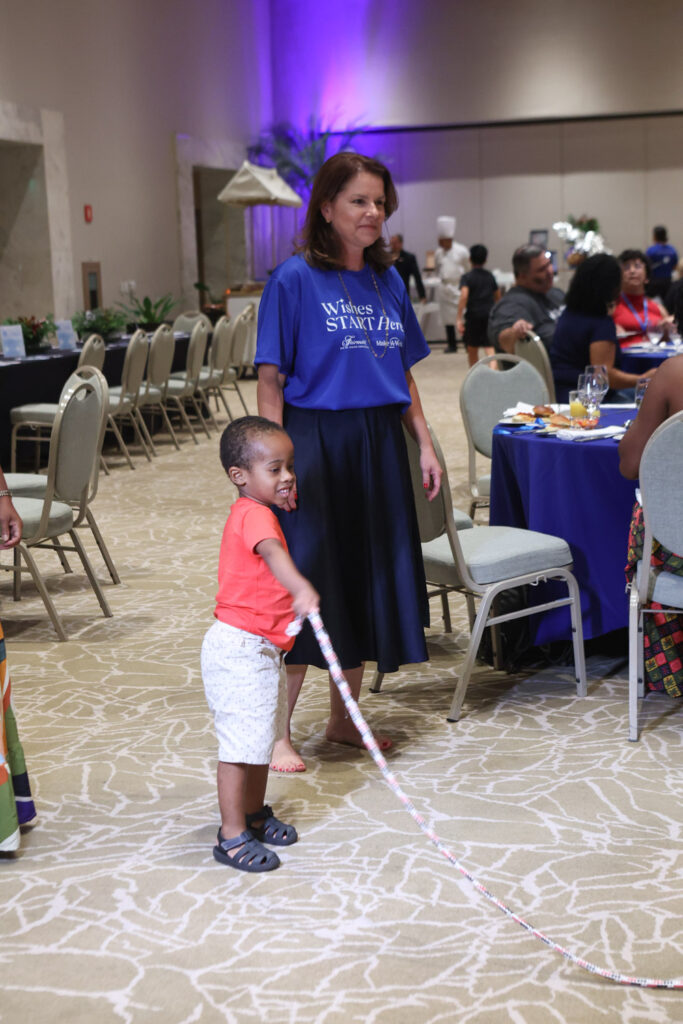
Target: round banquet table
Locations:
point(573, 490)
point(633, 359)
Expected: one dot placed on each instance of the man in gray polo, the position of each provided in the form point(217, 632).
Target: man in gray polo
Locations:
point(531, 305)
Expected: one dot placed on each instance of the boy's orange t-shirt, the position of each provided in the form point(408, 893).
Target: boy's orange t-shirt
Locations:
point(249, 597)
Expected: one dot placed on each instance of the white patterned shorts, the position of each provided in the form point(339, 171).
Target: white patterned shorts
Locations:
point(245, 687)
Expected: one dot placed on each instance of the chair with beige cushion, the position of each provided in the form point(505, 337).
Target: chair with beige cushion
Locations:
point(180, 392)
point(72, 462)
point(211, 377)
point(34, 485)
point(484, 396)
point(153, 391)
point(124, 397)
point(33, 422)
point(483, 562)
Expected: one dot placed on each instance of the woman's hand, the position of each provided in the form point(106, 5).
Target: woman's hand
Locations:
point(431, 472)
point(11, 525)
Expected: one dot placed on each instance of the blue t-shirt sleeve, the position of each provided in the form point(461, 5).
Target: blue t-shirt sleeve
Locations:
point(278, 323)
point(604, 329)
point(415, 348)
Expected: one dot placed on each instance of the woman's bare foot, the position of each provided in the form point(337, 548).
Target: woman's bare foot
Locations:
point(285, 758)
point(345, 732)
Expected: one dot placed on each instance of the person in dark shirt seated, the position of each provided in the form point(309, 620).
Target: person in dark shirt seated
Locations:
point(478, 292)
point(406, 264)
point(585, 333)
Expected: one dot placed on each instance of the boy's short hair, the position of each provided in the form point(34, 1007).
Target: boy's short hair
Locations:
point(237, 440)
point(479, 255)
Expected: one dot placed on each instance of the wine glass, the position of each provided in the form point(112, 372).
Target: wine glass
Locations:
point(600, 371)
point(641, 388)
point(589, 387)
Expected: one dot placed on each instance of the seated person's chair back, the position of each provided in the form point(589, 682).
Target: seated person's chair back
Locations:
point(532, 349)
point(661, 488)
point(485, 395)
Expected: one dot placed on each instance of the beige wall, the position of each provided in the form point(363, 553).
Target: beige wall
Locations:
point(127, 75)
point(402, 62)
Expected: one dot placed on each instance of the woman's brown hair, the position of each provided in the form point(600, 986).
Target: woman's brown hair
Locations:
point(319, 241)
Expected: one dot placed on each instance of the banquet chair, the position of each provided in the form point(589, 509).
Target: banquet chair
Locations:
point(484, 396)
point(483, 562)
point(72, 462)
point(185, 322)
point(124, 397)
point(34, 485)
point(37, 418)
point(241, 343)
point(153, 389)
point(534, 351)
point(182, 391)
point(211, 377)
point(661, 491)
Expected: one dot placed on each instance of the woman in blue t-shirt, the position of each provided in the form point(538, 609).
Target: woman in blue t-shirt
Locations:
point(585, 333)
point(337, 337)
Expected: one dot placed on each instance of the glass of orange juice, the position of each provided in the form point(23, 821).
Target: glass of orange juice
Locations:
point(577, 410)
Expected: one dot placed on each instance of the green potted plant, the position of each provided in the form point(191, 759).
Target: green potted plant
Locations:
point(147, 313)
point(35, 331)
point(105, 321)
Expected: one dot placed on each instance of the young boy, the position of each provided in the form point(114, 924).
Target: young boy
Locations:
point(259, 592)
point(478, 293)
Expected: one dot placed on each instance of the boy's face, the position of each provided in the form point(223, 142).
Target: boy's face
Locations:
point(270, 479)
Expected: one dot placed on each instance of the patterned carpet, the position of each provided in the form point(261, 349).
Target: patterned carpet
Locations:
point(114, 910)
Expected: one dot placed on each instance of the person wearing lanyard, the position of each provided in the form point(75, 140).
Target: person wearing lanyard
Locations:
point(634, 313)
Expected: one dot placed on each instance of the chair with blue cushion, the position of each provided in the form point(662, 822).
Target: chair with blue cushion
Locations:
point(484, 561)
point(484, 396)
point(661, 491)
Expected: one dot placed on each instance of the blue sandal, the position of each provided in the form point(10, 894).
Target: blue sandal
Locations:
point(271, 830)
point(251, 857)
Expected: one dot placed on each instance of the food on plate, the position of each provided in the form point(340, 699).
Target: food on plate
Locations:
point(587, 424)
point(543, 411)
point(524, 417)
point(559, 420)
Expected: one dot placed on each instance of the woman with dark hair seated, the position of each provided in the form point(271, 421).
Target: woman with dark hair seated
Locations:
point(585, 333)
point(634, 313)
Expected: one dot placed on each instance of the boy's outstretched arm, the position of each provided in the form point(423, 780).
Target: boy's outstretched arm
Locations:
point(279, 561)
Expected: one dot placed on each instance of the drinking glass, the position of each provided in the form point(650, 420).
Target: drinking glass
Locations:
point(590, 390)
point(641, 388)
point(577, 409)
point(600, 372)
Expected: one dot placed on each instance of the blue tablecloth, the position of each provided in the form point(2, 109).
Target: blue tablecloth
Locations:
point(634, 361)
point(573, 490)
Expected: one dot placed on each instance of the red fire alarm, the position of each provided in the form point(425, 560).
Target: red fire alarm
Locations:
point(87, 213)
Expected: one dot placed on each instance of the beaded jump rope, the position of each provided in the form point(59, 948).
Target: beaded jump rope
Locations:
point(391, 780)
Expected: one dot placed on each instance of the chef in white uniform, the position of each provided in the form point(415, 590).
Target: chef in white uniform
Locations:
point(452, 261)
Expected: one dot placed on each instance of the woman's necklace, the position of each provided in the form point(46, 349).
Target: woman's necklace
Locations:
point(362, 319)
point(644, 323)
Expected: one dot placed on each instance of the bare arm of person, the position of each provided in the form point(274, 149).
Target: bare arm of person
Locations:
point(305, 597)
point(663, 397)
point(462, 305)
point(269, 393)
point(602, 353)
point(512, 334)
point(416, 425)
point(11, 525)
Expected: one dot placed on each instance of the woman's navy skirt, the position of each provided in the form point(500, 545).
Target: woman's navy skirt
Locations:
point(354, 535)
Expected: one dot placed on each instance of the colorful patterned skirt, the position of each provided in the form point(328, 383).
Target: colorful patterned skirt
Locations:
point(16, 804)
point(662, 632)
